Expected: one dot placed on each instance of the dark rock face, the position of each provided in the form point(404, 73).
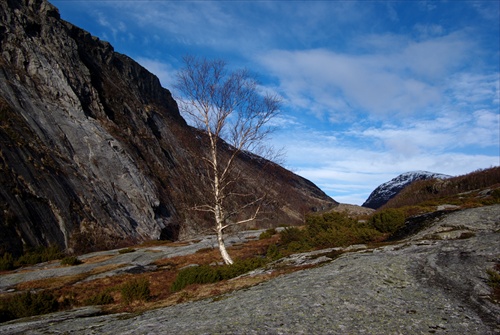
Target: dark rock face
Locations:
point(94, 152)
point(386, 191)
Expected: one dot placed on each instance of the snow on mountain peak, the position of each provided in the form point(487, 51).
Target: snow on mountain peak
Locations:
point(390, 189)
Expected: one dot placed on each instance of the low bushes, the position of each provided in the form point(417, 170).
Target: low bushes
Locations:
point(6, 262)
point(27, 304)
point(101, 298)
point(39, 255)
point(388, 220)
point(137, 289)
point(326, 230)
point(33, 256)
point(126, 251)
point(71, 260)
point(205, 274)
point(267, 234)
point(494, 282)
point(338, 229)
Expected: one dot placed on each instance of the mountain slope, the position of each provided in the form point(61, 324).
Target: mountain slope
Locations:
point(390, 189)
point(94, 152)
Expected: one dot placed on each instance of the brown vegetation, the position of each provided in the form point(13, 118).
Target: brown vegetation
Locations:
point(479, 188)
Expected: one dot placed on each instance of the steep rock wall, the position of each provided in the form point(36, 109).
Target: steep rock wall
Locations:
point(94, 152)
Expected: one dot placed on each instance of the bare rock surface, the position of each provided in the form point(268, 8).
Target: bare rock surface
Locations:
point(139, 260)
point(422, 285)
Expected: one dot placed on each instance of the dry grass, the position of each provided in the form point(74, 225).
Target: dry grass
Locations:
point(60, 282)
point(77, 291)
point(50, 283)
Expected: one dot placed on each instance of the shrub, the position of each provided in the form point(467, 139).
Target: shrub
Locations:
point(293, 239)
point(202, 274)
point(293, 234)
point(205, 274)
point(336, 229)
point(267, 234)
point(39, 255)
point(326, 230)
point(240, 267)
point(6, 262)
point(27, 304)
point(71, 260)
point(101, 298)
point(493, 278)
point(388, 220)
point(137, 289)
point(126, 251)
point(494, 282)
point(495, 194)
point(273, 252)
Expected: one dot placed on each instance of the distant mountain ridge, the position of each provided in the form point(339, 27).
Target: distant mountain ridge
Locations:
point(388, 190)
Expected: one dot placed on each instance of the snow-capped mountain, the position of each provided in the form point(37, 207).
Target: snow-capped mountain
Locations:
point(390, 189)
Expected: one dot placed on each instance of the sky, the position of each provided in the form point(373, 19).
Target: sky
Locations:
point(370, 89)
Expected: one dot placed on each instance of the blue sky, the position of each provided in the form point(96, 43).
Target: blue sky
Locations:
point(371, 89)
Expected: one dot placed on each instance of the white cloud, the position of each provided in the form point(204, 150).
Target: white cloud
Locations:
point(428, 30)
point(404, 80)
point(349, 164)
point(489, 10)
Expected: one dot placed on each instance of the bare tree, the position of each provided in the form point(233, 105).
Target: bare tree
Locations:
point(228, 107)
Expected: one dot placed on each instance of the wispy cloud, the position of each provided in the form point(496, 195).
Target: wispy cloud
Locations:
point(350, 169)
point(396, 78)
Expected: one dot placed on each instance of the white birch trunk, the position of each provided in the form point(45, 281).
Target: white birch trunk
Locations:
point(222, 248)
point(219, 212)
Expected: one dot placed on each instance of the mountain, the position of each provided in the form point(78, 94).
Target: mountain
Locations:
point(390, 189)
point(94, 152)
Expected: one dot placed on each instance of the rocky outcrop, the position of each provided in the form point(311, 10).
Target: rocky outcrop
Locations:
point(434, 282)
point(388, 190)
point(94, 152)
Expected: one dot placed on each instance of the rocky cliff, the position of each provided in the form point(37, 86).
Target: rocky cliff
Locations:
point(388, 190)
point(94, 152)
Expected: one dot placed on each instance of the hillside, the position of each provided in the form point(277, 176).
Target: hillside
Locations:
point(94, 153)
point(469, 190)
point(388, 190)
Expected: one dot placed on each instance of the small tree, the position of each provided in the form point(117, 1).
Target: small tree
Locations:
point(226, 106)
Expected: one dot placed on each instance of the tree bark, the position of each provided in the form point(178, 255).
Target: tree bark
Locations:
point(222, 247)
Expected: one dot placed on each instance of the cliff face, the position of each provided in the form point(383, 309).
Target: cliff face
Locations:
point(93, 151)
